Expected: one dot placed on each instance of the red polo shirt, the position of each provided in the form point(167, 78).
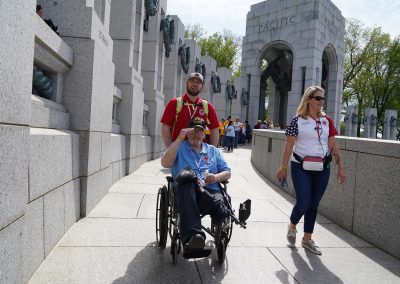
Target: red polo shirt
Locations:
point(189, 111)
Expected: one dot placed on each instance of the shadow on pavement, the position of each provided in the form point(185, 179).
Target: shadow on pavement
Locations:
point(314, 272)
point(154, 265)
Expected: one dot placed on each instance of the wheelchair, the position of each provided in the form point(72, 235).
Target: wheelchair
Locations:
point(167, 222)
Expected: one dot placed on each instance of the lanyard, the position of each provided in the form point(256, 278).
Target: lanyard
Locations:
point(198, 163)
point(318, 128)
point(194, 109)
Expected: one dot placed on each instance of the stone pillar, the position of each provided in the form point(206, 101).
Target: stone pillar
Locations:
point(370, 120)
point(89, 87)
point(211, 65)
point(126, 31)
point(16, 53)
point(195, 52)
point(237, 110)
point(153, 60)
point(173, 79)
point(221, 102)
point(351, 121)
point(390, 124)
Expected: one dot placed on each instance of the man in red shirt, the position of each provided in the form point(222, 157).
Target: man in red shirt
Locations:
point(192, 107)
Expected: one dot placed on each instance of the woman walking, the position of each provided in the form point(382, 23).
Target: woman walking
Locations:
point(230, 136)
point(310, 145)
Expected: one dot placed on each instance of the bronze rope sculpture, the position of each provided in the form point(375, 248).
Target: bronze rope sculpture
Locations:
point(184, 52)
point(167, 28)
point(42, 83)
point(151, 7)
point(200, 68)
point(215, 82)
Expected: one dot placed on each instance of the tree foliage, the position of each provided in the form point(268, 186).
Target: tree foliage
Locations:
point(195, 32)
point(223, 46)
point(372, 70)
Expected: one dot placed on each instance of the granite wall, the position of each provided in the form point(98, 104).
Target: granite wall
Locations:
point(368, 203)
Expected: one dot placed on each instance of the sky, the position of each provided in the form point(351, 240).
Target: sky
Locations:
point(217, 15)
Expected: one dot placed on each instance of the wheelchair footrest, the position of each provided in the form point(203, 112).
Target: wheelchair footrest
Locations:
point(197, 253)
point(244, 211)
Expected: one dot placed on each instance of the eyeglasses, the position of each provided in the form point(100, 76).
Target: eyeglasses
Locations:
point(319, 98)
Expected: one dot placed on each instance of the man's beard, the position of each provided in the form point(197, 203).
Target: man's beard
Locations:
point(193, 92)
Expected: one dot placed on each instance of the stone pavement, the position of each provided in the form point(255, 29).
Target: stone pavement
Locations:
point(116, 242)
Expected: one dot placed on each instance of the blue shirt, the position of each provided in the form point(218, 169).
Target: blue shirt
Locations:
point(209, 158)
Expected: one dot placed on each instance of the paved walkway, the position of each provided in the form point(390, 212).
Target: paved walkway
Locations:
point(116, 242)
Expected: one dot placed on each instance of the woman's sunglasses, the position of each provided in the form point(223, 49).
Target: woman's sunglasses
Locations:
point(319, 98)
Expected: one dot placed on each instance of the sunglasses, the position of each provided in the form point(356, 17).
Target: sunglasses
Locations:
point(319, 98)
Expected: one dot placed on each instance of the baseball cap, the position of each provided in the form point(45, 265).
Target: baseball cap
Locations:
point(196, 75)
point(197, 123)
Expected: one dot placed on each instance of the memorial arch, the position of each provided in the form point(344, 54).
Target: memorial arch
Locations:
point(288, 47)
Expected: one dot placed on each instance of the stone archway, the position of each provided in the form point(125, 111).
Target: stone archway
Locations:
point(329, 80)
point(313, 34)
point(276, 67)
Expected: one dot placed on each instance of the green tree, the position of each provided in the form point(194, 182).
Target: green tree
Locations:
point(372, 70)
point(224, 46)
point(195, 31)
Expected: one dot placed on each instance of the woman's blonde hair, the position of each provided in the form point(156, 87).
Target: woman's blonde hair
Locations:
point(302, 109)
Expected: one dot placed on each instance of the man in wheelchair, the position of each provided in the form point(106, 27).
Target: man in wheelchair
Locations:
point(197, 169)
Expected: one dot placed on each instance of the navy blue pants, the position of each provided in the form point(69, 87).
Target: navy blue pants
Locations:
point(309, 187)
point(191, 203)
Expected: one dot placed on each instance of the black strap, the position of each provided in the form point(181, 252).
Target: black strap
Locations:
point(297, 157)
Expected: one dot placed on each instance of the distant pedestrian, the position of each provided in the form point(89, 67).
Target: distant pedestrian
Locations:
point(230, 136)
point(310, 146)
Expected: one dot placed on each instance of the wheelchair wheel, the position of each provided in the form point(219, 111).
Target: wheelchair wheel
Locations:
point(162, 217)
point(175, 249)
point(221, 250)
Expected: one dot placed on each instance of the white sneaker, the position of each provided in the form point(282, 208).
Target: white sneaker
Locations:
point(291, 235)
point(311, 246)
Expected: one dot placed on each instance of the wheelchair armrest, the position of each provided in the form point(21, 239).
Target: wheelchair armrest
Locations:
point(169, 179)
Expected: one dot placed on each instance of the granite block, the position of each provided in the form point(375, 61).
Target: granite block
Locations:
point(118, 205)
point(50, 166)
point(118, 147)
point(48, 114)
point(33, 238)
point(130, 110)
point(122, 58)
point(106, 150)
point(16, 50)
point(75, 154)
point(14, 157)
point(114, 265)
point(50, 50)
point(118, 233)
point(90, 152)
point(11, 247)
point(338, 265)
point(103, 89)
point(123, 168)
point(71, 203)
point(78, 84)
point(376, 206)
point(341, 195)
point(122, 19)
point(93, 189)
point(54, 218)
point(116, 171)
point(374, 146)
point(72, 20)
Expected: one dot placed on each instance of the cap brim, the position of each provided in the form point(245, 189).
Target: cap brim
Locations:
point(198, 127)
